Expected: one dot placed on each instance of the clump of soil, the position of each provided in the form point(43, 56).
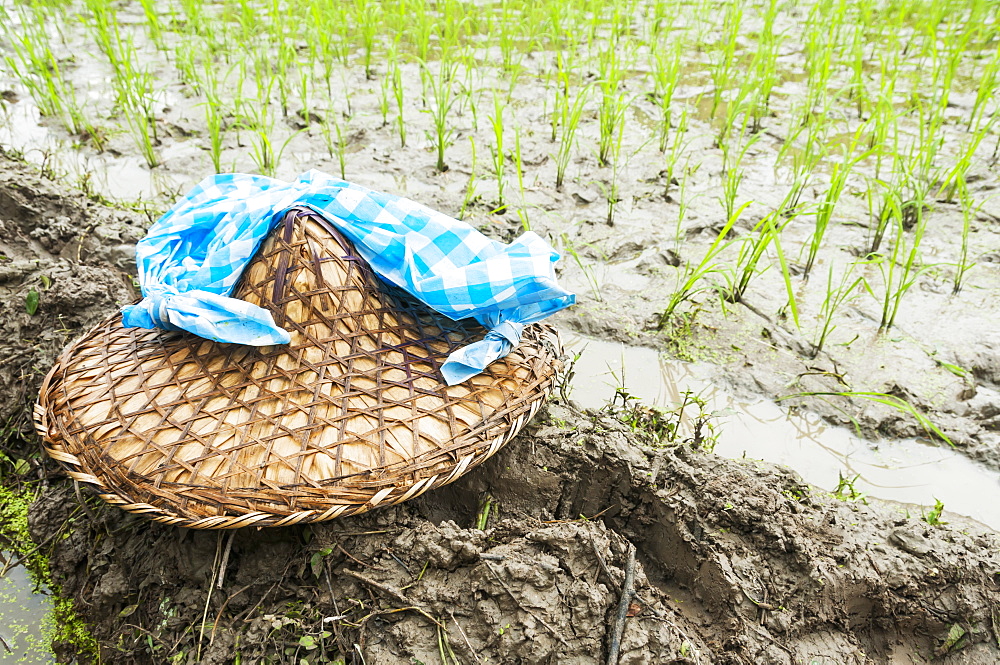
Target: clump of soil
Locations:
point(738, 561)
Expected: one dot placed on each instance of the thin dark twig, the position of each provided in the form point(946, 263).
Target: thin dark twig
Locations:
point(604, 567)
point(628, 591)
point(225, 560)
point(464, 636)
point(337, 633)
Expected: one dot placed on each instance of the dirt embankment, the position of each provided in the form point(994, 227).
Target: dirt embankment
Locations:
point(737, 561)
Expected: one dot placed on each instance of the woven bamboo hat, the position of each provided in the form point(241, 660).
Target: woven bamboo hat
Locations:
point(351, 415)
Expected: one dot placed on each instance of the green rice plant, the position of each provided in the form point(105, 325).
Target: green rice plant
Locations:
point(933, 516)
point(470, 187)
point(37, 68)
point(612, 190)
point(560, 101)
point(949, 182)
point(881, 208)
point(585, 268)
point(688, 280)
point(441, 86)
point(257, 116)
point(153, 24)
point(724, 59)
point(683, 200)
point(900, 269)
point(898, 403)
point(522, 212)
point(986, 89)
point(334, 135)
point(367, 18)
point(969, 209)
point(840, 172)
point(570, 122)
point(836, 295)
point(752, 249)
point(845, 490)
point(681, 141)
point(325, 19)
point(134, 90)
point(804, 157)
point(497, 152)
point(666, 67)
point(611, 112)
point(732, 169)
point(858, 89)
point(196, 20)
point(398, 92)
point(214, 122)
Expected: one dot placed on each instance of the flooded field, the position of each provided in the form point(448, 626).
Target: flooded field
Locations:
point(788, 211)
point(23, 612)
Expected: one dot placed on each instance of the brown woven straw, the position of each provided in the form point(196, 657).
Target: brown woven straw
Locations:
point(352, 414)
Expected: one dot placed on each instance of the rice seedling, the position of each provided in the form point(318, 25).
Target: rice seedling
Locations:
point(933, 516)
point(569, 121)
point(398, 92)
point(885, 399)
point(497, 152)
point(38, 69)
point(901, 268)
point(153, 25)
point(805, 157)
point(985, 90)
point(969, 209)
point(367, 17)
point(586, 268)
point(688, 280)
point(470, 187)
point(840, 172)
point(611, 112)
point(612, 189)
point(666, 68)
point(836, 294)
point(681, 141)
point(733, 157)
point(752, 249)
point(134, 88)
point(442, 91)
point(213, 119)
point(522, 212)
point(845, 490)
point(724, 59)
point(333, 128)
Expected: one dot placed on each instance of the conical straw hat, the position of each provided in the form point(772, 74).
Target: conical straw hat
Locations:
point(351, 415)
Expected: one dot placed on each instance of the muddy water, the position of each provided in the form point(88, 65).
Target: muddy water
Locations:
point(908, 471)
point(22, 613)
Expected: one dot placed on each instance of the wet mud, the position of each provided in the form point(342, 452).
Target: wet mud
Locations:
point(737, 561)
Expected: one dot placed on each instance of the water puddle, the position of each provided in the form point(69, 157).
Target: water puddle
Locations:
point(22, 614)
point(908, 471)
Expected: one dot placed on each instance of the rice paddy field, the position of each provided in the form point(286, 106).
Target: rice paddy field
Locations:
point(797, 199)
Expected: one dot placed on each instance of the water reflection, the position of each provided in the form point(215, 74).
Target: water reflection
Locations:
point(22, 613)
point(909, 471)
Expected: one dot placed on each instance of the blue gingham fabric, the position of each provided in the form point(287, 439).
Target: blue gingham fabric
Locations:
point(193, 256)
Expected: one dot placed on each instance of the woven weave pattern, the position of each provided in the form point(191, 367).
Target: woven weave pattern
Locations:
point(350, 415)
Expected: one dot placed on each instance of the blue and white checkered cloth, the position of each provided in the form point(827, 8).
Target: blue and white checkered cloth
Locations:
point(194, 255)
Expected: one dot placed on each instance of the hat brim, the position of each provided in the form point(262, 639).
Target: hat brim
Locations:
point(351, 415)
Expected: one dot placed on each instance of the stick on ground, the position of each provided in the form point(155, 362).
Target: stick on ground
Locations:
point(627, 592)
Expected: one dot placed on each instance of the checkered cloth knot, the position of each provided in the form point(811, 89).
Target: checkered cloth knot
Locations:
point(193, 256)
